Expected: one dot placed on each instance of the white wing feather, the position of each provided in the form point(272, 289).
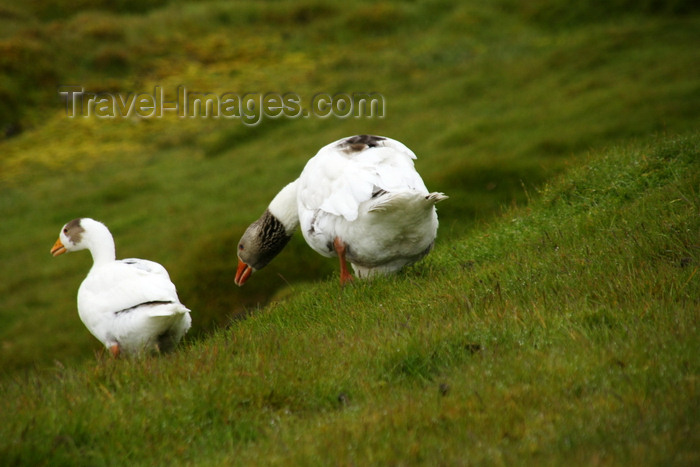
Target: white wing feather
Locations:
point(350, 178)
point(124, 284)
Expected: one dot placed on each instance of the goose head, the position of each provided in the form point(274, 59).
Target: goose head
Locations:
point(261, 242)
point(70, 238)
point(85, 234)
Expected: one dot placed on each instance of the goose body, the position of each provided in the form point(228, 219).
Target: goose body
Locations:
point(129, 305)
point(359, 198)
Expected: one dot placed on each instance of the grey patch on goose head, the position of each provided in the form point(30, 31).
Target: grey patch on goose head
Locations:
point(359, 143)
point(74, 231)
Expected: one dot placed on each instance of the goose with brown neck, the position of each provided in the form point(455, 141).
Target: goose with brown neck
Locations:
point(360, 199)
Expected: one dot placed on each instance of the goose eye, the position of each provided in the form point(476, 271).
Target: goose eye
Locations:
point(240, 247)
point(65, 231)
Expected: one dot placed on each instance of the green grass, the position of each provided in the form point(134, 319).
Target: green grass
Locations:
point(555, 322)
point(566, 330)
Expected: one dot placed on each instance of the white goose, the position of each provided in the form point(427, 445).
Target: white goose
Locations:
point(361, 199)
point(130, 305)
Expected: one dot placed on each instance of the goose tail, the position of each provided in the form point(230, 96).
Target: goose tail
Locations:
point(435, 197)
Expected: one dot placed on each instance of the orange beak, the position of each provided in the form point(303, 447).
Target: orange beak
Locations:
point(242, 273)
point(58, 248)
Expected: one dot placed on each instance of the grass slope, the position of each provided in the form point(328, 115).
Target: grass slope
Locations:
point(566, 331)
point(556, 320)
point(495, 100)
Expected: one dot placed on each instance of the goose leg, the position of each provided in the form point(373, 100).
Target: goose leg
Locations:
point(114, 350)
point(345, 275)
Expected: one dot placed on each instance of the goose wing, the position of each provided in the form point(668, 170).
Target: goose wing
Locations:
point(348, 172)
point(123, 285)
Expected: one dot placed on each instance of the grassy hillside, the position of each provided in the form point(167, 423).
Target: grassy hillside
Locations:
point(556, 320)
point(564, 332)
point(493, 99)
